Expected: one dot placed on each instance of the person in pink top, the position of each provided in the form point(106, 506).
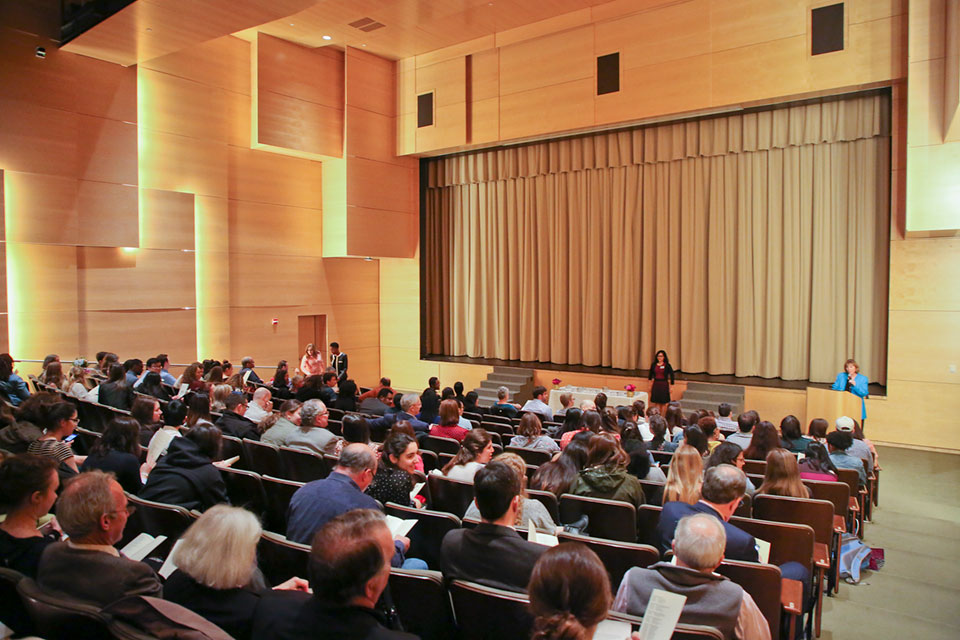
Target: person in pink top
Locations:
point(449, 422)
point(311, 364)
point(817, 464)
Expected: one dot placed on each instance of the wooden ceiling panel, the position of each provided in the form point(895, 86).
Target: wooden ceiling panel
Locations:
point(147, 29)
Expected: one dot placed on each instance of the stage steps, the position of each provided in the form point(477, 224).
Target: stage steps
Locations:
point(519, 381)
point(706, 395)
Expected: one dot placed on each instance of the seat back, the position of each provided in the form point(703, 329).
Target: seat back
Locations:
point(58, 618)
point(86, 439)
point(303, 465)
point(851, 478)
point(758, 467)
point(762, 582)
point(279, 493)
point(427, 534)
point(503, 428)
point(495, 417)
point(788, 542)
point(611, 519)
point(617, 557)
point(430, 460)
point(263, 457)
point(485, 613)
point(680, 632)
point(837, 493)
point(648, 518)
point(157, 518)
point(652, 492)
point(90, 418)
point(438, 444)
point(423, 604)
point(245, 489)
point(12, 612)
point(535, 457)
point(452, 496)
point(547, 499)
point(662, 457)
point(281, 559)
point(230, 447)
point(745, 508)
point(816, 513)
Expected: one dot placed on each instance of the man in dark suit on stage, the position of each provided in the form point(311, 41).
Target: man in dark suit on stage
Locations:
point(338, 360)
point(468, 554)
point(723, 488)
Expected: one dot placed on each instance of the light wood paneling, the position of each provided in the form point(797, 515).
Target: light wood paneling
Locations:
point(485, 74)
point(405, 368)
point(775, 404)
point(259, 176)
point(377, 232)
point(471, 375)
point(41, 278)
point(915, 356)
point(356, 325)
point(106, 150)
point(547, 61)
point(886, 422)
point(46, 207)
point(446, 79)
point(312, 75)
point(396, 326)
point(379, 185)
point(559, 107)
point(167, 220)
point(485, 121)
point(107, 214)
point(149, 29)
point(36, 139)
point(371, 83)
point(927, 34)
point(176, 163)
point(370, 135)
point(643, 40)
point(290, 281)
point(183, 107)
point(223, 63)
point(291, 123)
point(682, 85)
point(352, 281)
point(140, 334)
point(112, 279)
point(267, 229)
point(924, 274)
point(766, 64)
point(741, 23)
point(399, 281)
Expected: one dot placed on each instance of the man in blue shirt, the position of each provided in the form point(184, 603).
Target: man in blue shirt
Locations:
point(839, 442)
point(410, 407)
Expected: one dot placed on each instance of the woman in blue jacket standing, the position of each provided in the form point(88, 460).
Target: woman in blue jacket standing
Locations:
point(850, 379)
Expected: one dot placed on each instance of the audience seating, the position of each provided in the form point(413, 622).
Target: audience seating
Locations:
point(230, 447)
point(662, 457)
point(440, 445)
point(857, 496)
point(764, 584)
point(12, 611)
point(496, 418)
point(617, 557)
point(60, 618)
point(279, 493)
point(86, 438)
point(430, 460)
point(156, 518)
point(423, 604)
point(452, 496)
point(281, 559)
point(427, 534)
point(304, 466)
point(652, 492)
point(549, 501)
point(264, 458)
point(745, 508)
point(485, 613)
point(245, 489)
point(648, 517)
point(531, 456)
point(681, 632)
point(758, 467)
point(611, 519)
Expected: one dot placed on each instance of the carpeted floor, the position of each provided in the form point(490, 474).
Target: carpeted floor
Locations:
point(916, 596)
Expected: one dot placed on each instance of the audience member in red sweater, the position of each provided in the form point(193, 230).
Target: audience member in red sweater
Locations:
point(449, 422)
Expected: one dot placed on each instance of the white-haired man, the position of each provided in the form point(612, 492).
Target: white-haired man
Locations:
point(712, 600)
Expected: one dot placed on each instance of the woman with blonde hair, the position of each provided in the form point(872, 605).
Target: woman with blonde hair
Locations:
point(217, 575)
point(530, 510)
point(685, 476)
point(220, 394)
point(311, 364)
point(782, 477)
point(77, 383)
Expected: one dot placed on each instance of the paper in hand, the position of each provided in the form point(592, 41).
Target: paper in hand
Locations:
point(661, 616)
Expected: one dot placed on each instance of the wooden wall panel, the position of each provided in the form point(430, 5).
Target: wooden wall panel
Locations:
point(379, 185)
point(176, 163)
point(369, 135)
point(560, 106)
point(917, 358)
point(37, 139)
point(267, 229)
point(153, 279)
point(924, 274)
point(273, 178)
point(376, 232)
point(371, 82)
point(642, 39)
point(51, 203)
point(550, 60)
point(107, 214)
point(223, 63)
point(167, 220)
point(140, 334)
point(775, 404)
point(290, 123)
point(290, 281)
point(184, 107)
point(106, 150)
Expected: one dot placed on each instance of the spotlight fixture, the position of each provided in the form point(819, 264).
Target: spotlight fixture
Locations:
point(41, 52)
point(327, 37)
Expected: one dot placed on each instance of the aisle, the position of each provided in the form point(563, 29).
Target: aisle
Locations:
point(916, 596)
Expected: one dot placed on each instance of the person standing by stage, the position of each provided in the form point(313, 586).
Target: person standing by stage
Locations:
point(338, 360)
point(662, 375)
point(850, 379)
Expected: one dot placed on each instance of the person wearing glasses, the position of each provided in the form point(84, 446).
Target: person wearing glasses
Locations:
point(93, 511)
point(60, 420)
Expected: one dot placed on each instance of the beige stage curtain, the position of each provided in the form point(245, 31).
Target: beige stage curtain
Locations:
point(752, 244)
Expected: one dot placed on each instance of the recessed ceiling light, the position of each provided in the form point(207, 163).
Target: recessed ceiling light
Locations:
point(292, 25)
point(364, 44)
point(327, 37)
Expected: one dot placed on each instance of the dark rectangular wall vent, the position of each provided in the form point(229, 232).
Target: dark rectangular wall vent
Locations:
point(608, 73)
point(366, 24)
point(826, 29)
point(425, 110)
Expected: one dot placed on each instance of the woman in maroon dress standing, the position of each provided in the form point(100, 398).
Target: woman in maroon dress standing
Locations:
point(662, 375)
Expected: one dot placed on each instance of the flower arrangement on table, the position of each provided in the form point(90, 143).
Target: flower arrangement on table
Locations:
point(630, 389)
point(556, 382)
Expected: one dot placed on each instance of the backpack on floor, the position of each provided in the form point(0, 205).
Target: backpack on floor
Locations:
point(854, 557)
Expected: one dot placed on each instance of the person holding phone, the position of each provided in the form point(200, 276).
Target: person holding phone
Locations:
point(60, 420)
point(851, 380)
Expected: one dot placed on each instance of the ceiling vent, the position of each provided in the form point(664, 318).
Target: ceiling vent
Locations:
point(367, 24)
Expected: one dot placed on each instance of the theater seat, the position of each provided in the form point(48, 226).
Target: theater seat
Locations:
point(485, 613)
point(423, 604)
point(58, 618)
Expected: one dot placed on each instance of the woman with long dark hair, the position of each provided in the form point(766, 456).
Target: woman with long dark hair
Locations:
point(118, 451)
point(817, 464)
point(765, 439)
point(559, 474)
point(663, 378)
point(393, 481)
point(569, 593)
point(12, 386)
point(605, 475)
point(476, 449)
point(281, 381)
point(115, 392)
point(589, 421)
point(28, 489)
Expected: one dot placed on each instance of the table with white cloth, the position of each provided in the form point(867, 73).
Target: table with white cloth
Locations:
point(615, 398)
